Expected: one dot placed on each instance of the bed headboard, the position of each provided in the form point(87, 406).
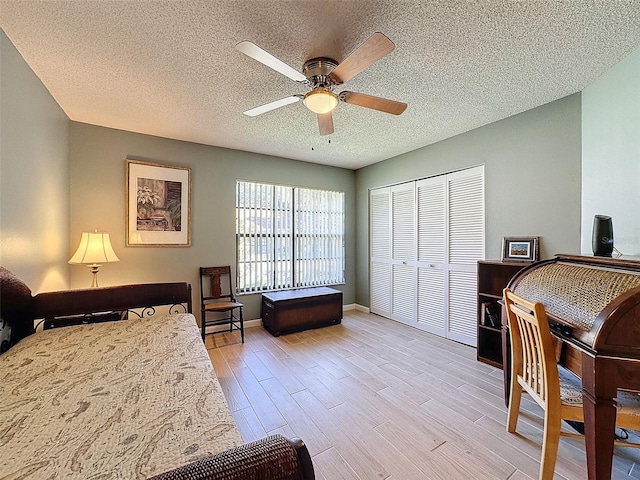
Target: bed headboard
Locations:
point(144, 296)
point(19, 309)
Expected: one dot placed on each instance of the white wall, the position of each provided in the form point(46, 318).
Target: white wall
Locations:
point(34, 176)
point(611, 154)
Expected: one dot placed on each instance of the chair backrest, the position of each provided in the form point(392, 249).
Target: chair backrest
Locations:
point(215, 284)
point(533, 357)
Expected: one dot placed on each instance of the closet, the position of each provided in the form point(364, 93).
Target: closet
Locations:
point(426, 237)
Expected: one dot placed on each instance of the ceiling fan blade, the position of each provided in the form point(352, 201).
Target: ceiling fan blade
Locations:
point(376, 103)
point(262, 56)
point(376, 47)
point(325, 122)
point(267, 107)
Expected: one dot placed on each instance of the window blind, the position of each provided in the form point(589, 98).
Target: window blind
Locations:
point(288, 237)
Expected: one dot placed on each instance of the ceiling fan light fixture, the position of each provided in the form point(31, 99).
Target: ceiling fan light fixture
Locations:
point(320, 100)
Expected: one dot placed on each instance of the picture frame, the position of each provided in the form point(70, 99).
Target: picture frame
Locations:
point(520, 249)
point(158, 205)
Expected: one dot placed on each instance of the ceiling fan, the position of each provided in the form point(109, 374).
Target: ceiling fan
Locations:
point(322, 75)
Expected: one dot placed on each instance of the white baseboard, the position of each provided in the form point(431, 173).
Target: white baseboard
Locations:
point(256, 322)
point(362, 308)
point(224, 328)
point(351, 306)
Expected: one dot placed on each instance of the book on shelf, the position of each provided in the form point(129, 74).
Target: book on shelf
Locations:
point(490, 314)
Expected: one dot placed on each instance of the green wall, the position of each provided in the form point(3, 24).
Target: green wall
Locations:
point(34, 180)
point(97, 172)
point(611, 154)
point(532, 180)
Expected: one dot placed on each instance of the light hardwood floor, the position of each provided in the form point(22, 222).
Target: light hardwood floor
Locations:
point(375, 399)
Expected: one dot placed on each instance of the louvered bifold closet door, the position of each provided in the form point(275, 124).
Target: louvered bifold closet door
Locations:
point(403, 250)
point(380, 245)
point(466, 247)
point(432, 243)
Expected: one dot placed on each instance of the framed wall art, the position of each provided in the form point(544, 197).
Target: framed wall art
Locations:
point(520, 249)
point(158, 205)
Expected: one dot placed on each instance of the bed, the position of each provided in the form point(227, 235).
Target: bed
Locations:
point(119, 385)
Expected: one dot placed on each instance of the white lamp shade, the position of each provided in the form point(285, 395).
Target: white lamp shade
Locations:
point(320, 101)
point(94, 248)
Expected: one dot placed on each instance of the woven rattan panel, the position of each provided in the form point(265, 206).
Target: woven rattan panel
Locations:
point(575, 293)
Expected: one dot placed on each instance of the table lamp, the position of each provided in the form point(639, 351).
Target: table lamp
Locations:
point(94, 249)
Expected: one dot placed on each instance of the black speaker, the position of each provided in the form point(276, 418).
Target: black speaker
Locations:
point(602, 239)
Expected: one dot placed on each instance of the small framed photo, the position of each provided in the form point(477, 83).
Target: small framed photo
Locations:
point(520, 249)
point(158, 205)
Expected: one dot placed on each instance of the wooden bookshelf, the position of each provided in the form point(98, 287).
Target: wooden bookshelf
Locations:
point(493, 276)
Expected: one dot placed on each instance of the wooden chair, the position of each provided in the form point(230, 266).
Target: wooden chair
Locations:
point(556, 390)
point(217, 298)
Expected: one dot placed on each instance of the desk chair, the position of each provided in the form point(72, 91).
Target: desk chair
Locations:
point(216, 298)
point(556, 390)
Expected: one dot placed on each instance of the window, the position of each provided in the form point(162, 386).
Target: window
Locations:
point(288, 237)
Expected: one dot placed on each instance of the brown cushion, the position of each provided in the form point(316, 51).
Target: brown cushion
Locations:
point(15, 309)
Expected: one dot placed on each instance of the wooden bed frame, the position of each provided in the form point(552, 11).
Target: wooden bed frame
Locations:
point(73, 307)
point(274, 457)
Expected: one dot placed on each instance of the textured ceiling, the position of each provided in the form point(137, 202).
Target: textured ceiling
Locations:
point(170, 69)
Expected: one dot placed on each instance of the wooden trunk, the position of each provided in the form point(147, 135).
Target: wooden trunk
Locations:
point(295, 310)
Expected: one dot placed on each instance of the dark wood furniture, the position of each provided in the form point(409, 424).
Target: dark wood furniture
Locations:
point(132, 301)
point(92, 305)
point(19, 309)
point(493, 277)
point(593, 307)
point(217, 298)
point(290, 311)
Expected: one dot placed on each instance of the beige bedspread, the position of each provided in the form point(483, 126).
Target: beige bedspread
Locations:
point(121, 400)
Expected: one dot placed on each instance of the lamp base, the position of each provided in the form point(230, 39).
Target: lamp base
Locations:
point(94, 269)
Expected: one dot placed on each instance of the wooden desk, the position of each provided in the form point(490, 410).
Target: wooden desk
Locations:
point(601, 377)
point(605, 350)
point(290, 311)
